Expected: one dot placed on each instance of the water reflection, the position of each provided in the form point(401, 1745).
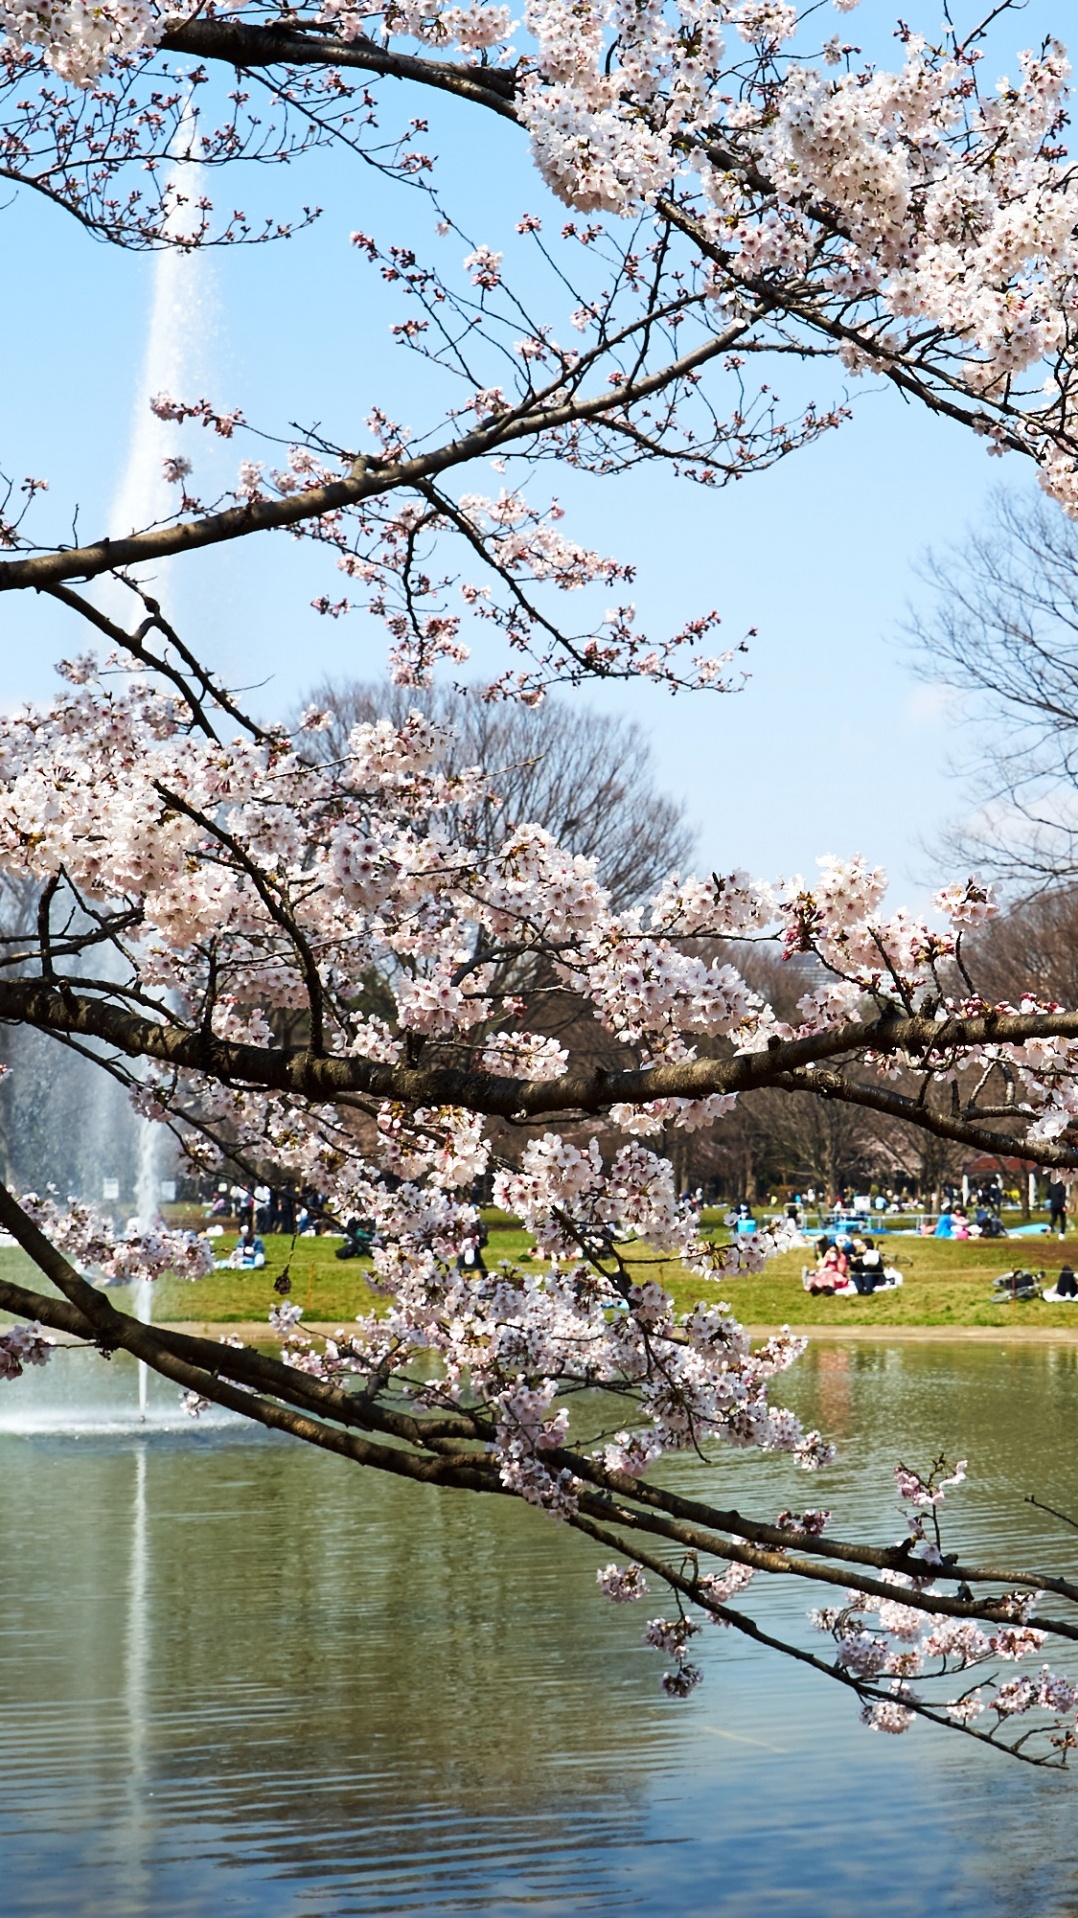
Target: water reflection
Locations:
point(833, 1390)
point(246, 1679)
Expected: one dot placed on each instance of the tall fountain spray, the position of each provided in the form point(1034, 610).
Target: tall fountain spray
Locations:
point(178, 350)
point(177, 361)
point(146, 1192)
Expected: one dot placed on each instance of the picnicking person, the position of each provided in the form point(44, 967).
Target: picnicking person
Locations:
point(987, 1225)
point(832, 1269)
point(359, 1237)
point(866, 1265)
point(849, 1268)
point(248, 1254)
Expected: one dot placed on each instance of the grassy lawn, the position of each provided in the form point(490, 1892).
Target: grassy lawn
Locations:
point(946, 1284)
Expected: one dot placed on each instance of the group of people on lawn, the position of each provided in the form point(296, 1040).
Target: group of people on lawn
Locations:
point(849, 1265)
point(955, 1223)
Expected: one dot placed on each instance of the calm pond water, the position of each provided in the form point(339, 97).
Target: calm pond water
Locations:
point(246, 1679)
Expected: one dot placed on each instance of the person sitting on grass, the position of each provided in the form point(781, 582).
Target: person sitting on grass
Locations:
point(248, 1253)
point(1065, 1287)
point(359, 1237)
point(866, 1266)
point(990, 1227)
point(945, 1226)
point(832, 1269)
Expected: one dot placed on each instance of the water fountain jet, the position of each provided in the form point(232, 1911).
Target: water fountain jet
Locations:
point(147, 1217)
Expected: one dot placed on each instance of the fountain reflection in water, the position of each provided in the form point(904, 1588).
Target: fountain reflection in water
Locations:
point(138, 1834)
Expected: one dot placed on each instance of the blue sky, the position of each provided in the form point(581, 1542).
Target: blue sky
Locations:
point(834, 746)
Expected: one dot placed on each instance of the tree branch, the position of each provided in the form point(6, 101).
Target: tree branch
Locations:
point(241, 44)
point(37, 1003)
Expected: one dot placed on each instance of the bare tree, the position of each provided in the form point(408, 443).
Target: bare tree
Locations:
point(1003, 634)
point(586, 776)
point(1031, 947)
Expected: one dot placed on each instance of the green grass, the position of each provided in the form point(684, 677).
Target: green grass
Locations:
point(326, 1287)
point(947, 1284)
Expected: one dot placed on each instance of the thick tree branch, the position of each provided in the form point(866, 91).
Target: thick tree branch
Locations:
point(592, 1090)
point(245, 45)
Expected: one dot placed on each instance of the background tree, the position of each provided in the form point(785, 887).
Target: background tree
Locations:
point(583, 775)
point(1031, 946)
point(1003, 635)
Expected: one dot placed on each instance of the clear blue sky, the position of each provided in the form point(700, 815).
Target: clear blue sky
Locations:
point(833, 746)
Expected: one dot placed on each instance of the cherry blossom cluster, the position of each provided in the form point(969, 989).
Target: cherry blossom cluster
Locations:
point(512, 1338)
point(672, 1637)
point(885, 1640)
point(909, 194)
point(881, 1640)
point(622, 1584)
point(89, 1239)
point(81, 41)
point(23, 1345)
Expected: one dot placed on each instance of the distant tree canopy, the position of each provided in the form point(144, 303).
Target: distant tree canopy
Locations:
point(1002, 635)
point(584, 775)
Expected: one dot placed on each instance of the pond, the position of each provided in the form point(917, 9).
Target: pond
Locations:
point(242, 1678)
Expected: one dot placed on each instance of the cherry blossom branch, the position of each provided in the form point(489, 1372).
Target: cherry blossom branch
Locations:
point(248, 45)
point(206, 690)
point(87, 1314)
point(368, 479)
point(294, 1070)
point(688, 1584)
